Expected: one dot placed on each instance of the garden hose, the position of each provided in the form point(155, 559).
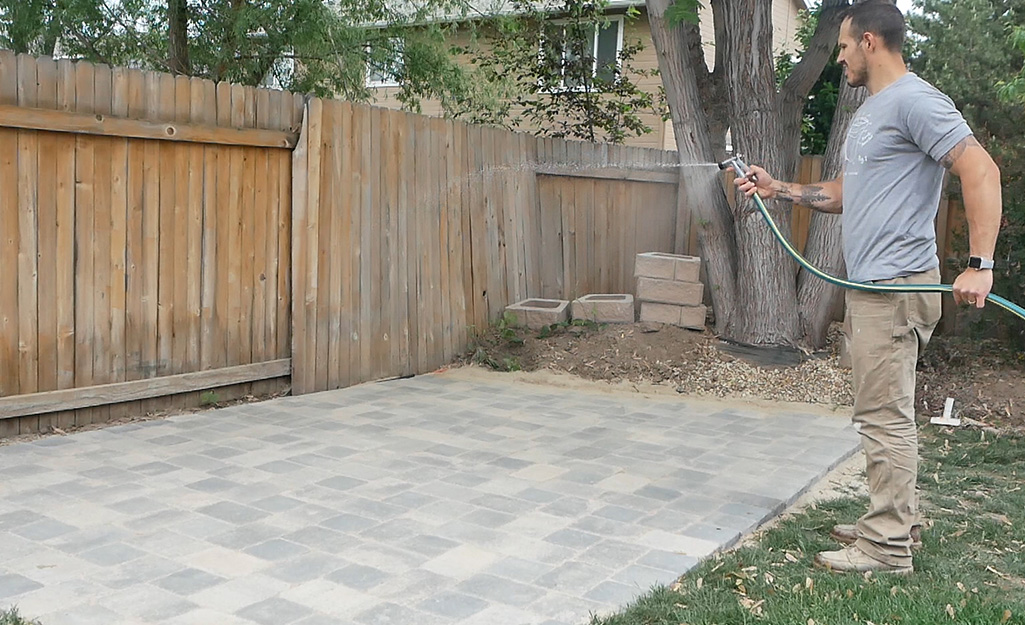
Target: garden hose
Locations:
point(743, 170)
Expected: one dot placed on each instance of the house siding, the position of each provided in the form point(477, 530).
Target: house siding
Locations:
point(785, 23)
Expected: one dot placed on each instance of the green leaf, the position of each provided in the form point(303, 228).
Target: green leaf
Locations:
point(681, 11)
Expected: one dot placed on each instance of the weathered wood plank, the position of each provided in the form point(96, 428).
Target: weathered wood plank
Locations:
point(247, 238)
point(452, 251)
point(271, 258)
point(168, 179)
point(461, 251)
point(179, 235)
point(211, 344)
point(407, 244)
point(46, 79)
point(311, 239)
point(300, 217)
point(9, 242)
point(28, 238)
point(391, 292)
point(106, 394)
point(149, 283)
point(118, 239)
point(368, 256)
point(199, 109)
point(337, 339)
point(325, 316)
point(439, 244)
point(262, 229)
point(65, 286)
point(236, 168)
point(107, 125)
point(222, 228)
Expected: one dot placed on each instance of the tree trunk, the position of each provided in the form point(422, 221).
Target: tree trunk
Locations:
point(766, 286)
point(178, 37)
point(701, 184)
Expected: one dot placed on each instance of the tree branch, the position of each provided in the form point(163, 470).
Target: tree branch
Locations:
point(801, 80)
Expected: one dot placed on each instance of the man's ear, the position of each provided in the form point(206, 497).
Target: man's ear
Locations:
point(870, 41)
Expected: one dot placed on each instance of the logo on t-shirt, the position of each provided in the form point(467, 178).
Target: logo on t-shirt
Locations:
point(858, 136)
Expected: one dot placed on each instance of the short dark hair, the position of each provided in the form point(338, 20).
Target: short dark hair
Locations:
point(881, 18)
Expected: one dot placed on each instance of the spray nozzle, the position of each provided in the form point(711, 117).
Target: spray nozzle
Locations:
point(737, 163)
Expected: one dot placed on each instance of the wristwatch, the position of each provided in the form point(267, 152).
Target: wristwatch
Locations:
point(978, 262)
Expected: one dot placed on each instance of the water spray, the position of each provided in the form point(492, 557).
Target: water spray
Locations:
point(743, 171)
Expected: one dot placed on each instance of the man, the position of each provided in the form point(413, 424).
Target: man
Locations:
point(898, 145)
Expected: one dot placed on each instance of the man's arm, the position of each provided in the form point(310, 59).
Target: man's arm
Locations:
point(983, 204)
point(826, 197)
point(980, 187)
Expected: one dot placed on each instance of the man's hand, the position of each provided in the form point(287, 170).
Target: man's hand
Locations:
point(972, 287)
point(764, 187)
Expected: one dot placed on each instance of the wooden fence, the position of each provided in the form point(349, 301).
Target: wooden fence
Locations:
point(411, 230)
point(145, 227)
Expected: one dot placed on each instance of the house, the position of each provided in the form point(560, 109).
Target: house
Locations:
point(786, 21)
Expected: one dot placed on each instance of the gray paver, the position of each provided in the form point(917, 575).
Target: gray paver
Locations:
point(437, 500)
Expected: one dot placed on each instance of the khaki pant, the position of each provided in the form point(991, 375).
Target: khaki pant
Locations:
point(887, 333)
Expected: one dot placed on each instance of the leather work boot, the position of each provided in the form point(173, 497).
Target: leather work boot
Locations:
point(847, 534)
point(850, 559)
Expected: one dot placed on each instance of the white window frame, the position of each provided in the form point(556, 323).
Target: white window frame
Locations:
point(594, 50)
point(392, 82)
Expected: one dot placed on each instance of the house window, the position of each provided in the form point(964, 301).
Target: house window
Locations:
point(384, 66)
point(583, 52)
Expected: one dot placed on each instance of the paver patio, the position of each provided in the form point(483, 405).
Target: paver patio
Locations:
point(441, 499)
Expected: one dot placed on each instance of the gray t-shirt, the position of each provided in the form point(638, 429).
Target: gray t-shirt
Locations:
point(892, 179)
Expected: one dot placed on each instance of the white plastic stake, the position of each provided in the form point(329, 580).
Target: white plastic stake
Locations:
point(946, 419)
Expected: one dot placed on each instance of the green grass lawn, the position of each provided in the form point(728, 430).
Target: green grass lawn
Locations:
point(971, 568)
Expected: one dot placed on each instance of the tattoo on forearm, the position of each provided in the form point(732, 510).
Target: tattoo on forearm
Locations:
point(813, 195)
point(955, 152)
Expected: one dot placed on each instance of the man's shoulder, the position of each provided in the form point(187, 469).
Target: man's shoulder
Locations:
point(915, 84)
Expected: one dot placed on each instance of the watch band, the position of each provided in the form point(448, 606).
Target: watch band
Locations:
point(978, 262)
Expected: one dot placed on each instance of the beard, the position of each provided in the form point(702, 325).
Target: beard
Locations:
point(854, 79)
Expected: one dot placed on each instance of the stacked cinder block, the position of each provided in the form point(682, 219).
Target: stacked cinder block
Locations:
point(669, 289)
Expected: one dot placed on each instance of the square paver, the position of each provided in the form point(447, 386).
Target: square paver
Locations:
point(358, 576)
point(274, 611)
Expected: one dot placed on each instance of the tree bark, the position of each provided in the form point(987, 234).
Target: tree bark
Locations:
point(700, 184)
point(178, 37)
point(766, 285)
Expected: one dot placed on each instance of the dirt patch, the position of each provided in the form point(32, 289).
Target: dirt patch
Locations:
point(987, 381)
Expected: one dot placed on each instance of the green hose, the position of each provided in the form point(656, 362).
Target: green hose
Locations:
point(741, 168)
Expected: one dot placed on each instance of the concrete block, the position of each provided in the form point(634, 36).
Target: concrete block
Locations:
point(538, 313)
point(660, 313)
point(668, 266)
point(670, 292)
point(692, 317)
point(601, 308)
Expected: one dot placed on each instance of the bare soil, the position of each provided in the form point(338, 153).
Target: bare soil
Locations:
point(987, 381)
